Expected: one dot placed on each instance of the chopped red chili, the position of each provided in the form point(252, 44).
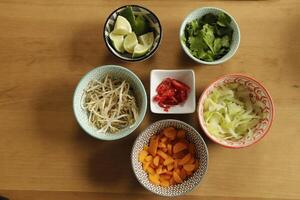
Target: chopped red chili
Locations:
point(171, 92)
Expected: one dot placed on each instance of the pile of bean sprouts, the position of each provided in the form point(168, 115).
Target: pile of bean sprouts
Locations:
point(110, 104)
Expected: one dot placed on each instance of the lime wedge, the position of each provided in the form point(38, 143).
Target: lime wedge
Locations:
point(122, 26)
point(128, 14)
point(147, 39)
point(130, 42)
point(117, 41)
point(141, 25)
point(140, 50)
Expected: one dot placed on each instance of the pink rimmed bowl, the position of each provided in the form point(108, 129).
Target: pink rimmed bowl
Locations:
point(257, 93)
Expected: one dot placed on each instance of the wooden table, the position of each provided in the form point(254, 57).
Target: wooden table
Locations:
point(47, 46)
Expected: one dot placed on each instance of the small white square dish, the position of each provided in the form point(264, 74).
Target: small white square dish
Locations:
point(186, 76)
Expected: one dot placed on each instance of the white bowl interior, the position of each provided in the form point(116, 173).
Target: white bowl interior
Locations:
point(201, 154)
point(186, 76)
point(198, 14)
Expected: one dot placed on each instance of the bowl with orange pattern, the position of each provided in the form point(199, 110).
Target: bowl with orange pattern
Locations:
point(235, 111)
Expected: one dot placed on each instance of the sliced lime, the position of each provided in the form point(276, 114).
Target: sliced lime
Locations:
point(128, 14)
point(147, 39)
point(117, 41)
point(141, 25)
point(140, 50)
point(122, 26)
point(130, 42)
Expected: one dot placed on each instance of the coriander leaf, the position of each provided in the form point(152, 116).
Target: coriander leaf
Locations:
point(208, 36)
point(217, 45)
point(192, 29)
point(209, 56)
point(197, 47)
point(223, 19)
point(225, 41)
point(221, 31)
point(197, 43)
point(209, 19)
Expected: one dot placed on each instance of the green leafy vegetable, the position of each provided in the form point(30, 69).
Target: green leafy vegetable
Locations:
point(209, 37)
point(229, 113)
point(223, 19)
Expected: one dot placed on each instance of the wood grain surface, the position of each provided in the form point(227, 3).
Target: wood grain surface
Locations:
point(47, 46)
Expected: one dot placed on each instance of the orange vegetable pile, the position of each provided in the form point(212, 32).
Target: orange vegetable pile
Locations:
point(170, 158)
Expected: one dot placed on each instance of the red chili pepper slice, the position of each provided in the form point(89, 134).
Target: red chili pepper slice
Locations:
point(171, 92)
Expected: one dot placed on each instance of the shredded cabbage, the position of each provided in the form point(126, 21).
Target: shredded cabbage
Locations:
point(229, 114)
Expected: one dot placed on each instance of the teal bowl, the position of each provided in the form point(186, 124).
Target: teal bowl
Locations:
point(81, 114)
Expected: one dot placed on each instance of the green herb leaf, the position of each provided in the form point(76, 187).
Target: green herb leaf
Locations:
point(208, 36)
point(223, 19)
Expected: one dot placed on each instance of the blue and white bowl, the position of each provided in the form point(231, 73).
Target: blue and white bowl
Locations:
point(154, 24)
point(201, 155)
point(100, 73)
point(198, 13)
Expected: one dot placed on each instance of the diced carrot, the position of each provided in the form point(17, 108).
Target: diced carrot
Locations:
point(150, 170)
point(185, 159)
point(183, 174)
point(181, 134)
point(179, 155)
point(152, 164)
point(175, 163)
point(162, 145)
point(189, 173)
point(165, 183)
point(191, 161)
point(189, 167)
point(165, 176)
point(177, 170)
point(153, 145)
point(163, 139)
point(172, 181)
point(192, 148)
point(156, 161)
point(168, 161)
point(176, 177)
point(146, 148)
point(146, 165)
point(142, 155)
point(149, 158)
point(170, 132)
point(165, 150)
point(162, 154)
point(169, 147)
point(179, 146)
point(154, 179)
point(159, 170)
point(170, 167)
point(170, 158)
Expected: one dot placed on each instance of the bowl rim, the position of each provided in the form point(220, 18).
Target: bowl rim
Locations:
point(193, 90)
point(143, 110)
point(138, 59)
point(177, 121)
point(201, 100)
point(220, 60)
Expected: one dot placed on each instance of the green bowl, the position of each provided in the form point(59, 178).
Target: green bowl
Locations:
point(81, 115)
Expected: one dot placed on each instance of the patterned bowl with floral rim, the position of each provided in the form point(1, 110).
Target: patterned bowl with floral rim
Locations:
point(192, 136)
point(137, 10)
point(257, 93)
